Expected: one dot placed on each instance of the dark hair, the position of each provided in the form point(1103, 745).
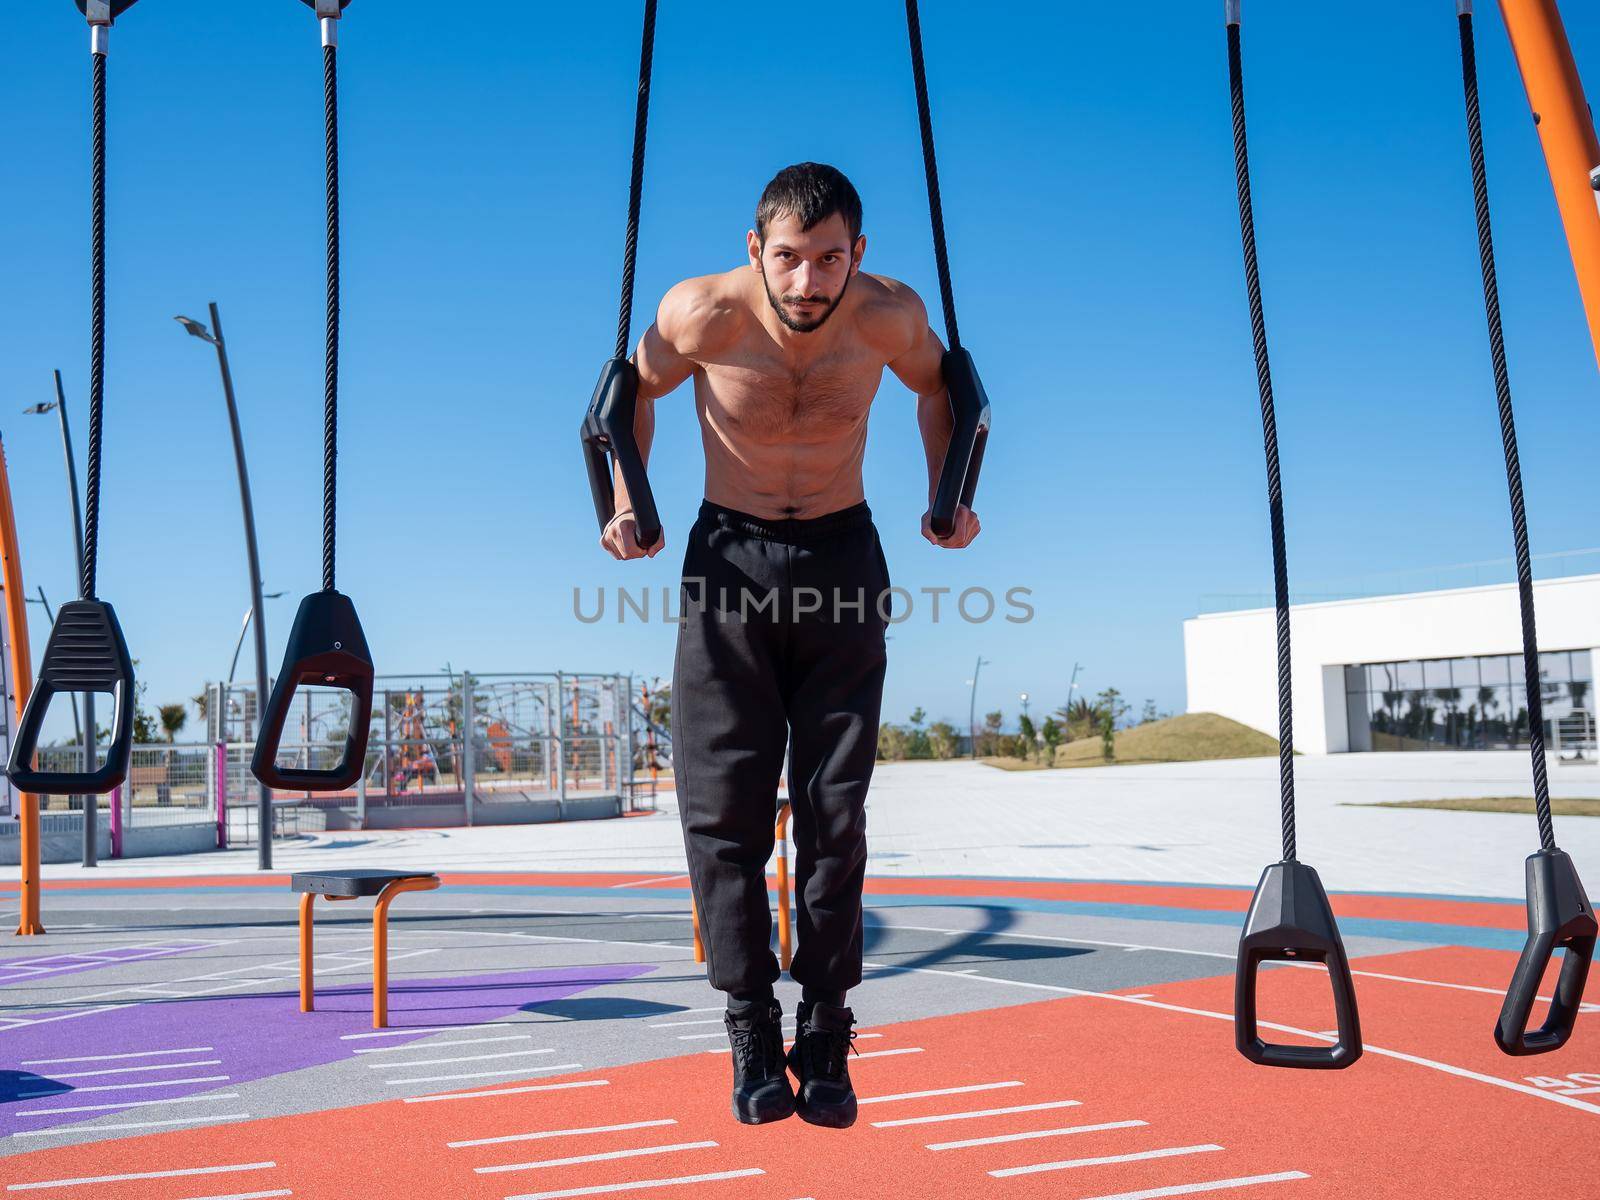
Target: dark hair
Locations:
point(810, 192)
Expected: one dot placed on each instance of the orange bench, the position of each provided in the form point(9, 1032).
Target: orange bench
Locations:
point(352, 885)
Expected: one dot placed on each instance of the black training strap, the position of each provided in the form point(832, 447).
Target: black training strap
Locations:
point(930, 168)
point(1290, 918)
point(1269, 437)
point(330, 370)
point(97, 329)
point(1508, 435)
point(1560, 916)
point(641, 117)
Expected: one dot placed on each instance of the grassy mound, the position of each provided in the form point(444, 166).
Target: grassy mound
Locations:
point(1189, 738)
point(1569, 806)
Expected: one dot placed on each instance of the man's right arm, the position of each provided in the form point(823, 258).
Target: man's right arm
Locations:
point(663, 360)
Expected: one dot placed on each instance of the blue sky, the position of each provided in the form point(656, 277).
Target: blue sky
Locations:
point(1088, 187)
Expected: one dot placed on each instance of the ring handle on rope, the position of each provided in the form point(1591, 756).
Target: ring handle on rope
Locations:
point(607, 435)
point(1291, 920)
point(327, 647)
point(607, 430)
point(1560, 917)
point(1559, 914)
point(86, 651)
point(969, 403)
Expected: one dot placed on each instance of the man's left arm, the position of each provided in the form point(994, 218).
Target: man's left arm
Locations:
point(919, 368)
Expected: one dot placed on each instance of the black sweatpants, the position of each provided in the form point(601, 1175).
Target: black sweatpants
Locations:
point(782, 642)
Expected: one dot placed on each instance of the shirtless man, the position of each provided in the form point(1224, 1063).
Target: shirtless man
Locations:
point(785, 606)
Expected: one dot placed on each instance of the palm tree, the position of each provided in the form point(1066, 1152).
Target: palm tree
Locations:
point(173, 718)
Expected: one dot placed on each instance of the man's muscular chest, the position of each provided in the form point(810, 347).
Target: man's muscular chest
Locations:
point(764, 397)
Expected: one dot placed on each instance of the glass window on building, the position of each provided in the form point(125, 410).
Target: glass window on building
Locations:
point(1472, 703)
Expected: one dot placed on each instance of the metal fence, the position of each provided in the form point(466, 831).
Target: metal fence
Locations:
point(452, 740)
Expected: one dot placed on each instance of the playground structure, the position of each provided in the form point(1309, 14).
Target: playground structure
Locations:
point(460, 748)
point(543, 747)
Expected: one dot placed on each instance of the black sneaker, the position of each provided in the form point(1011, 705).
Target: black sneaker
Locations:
point(823, 1040)
point(761, 1090)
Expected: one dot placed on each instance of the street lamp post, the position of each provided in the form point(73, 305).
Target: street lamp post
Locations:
point(215, 338)
point(972, 707)
point(89, 732)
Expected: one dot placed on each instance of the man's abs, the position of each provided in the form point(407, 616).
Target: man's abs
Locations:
point(778, 444)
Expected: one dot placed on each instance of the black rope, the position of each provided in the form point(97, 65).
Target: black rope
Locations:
point(330, 372)
point(641, 116)
point(930, 167)
point(97, 328)
point(1508, 436)
point(1269, 436)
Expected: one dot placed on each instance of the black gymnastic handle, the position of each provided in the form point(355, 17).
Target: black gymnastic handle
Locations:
point(86, 652)
point(963, 458)
point(608, 436)
point(1291, 920)
point(328, 648)
point(1559, 917)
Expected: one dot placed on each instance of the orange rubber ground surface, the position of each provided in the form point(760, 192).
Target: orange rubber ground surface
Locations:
point(1130, 1098)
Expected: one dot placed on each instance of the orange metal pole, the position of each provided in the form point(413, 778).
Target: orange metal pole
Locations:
point(784, 936)
point(307, 983)
point(28, 922)
point(1566, 131)
point(380, 942)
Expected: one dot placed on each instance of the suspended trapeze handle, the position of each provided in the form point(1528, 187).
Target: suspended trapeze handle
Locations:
point(608, 435)
point(1290, 920)
point(1560, 917)
point(85, 653)
point(969, 406)
point(327, 648)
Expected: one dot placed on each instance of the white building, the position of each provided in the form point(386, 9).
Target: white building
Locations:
point(1426, 670)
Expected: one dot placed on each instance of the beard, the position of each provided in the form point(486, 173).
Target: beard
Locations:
point(799, 326)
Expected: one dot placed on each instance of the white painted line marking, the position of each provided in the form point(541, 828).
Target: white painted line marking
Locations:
point(647, 882)
point(511, 1091)
point(1216, 1185)
point(246, 1195)
point(887, 1053)
point(354, 1037)
point(123, 1087)
point(510, 1037)
point(438, 1062)
point(706, 1037)
point(550, 1133)
point(1416, 1060)
point(1031, 1134)
point(55, 1183)
point(46, 1112)
point(50, 1062)
point(787, 1020)
point(634, 1152)
point(637, 1184)
point(1070, 1163)
point(950, 1091)
point(204, 1062)
point(975, 1113)
point(77, 1129)
point(485, 1074)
